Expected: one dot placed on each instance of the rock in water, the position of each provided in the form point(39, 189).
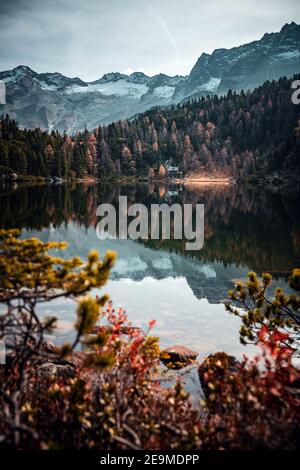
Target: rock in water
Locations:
point(59, 371)
point(213, 372)
point(177, 357)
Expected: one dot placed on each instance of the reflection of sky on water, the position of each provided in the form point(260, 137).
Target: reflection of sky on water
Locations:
point(181, 317)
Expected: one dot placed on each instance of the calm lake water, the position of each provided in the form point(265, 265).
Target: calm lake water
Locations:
point(245, 229)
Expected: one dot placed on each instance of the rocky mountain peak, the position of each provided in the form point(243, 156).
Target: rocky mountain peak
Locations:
point(52, 100)
point(110, 77)
point(245, 66)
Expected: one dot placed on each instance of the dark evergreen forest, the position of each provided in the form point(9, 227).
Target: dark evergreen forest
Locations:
point(235, 135)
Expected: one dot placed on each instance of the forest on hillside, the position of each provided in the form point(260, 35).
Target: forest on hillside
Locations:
point(235, 135)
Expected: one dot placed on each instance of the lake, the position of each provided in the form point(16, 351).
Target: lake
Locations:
point(245, 229)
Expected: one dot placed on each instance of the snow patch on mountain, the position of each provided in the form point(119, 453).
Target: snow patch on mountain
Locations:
point(164, 91)
point(118, 88)
point(288, 55)
point(8, 79)
point(212, 84)
point(46, 86)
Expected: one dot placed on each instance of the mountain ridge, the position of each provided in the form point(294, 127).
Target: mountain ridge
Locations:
point(274, 55)
point(51, 100)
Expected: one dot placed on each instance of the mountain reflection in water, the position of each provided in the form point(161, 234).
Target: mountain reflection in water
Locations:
point(245, 229)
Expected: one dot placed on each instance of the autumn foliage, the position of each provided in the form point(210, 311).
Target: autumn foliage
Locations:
point(276, 317)
point(109, 396)
point(239, 134)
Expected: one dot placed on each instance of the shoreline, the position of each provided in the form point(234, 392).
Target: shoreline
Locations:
point(210, 181)
point(122, 179)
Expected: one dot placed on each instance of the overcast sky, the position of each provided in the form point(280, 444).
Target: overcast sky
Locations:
point(88, 38)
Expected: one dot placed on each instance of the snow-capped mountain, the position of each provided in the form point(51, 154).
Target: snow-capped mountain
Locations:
point(53, 101)
point(138, 262)
point(244, 67)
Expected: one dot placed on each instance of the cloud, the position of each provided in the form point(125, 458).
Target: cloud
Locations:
point(168, 33)
point(92, 37)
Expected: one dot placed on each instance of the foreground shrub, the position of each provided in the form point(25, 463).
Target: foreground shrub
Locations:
point(109, 397)
point(112, 398)
point(263, 315)
point(256, 406)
